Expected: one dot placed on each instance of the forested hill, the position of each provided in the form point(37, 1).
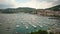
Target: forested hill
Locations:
point(17, 10)
point(27, 9)
point(55, 8)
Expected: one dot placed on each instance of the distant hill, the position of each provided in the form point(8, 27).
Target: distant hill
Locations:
point(27, 9)
point(17, 10)
point(55, 8)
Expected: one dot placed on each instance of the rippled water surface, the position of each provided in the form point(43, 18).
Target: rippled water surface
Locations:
point(23, 23)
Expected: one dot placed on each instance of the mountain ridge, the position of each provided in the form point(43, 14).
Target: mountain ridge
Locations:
point(54, 8)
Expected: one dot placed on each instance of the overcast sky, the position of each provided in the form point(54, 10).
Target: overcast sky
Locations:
point(39, 4)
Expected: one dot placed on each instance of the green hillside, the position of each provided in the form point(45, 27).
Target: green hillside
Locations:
point(17, 10)
point(55, 8)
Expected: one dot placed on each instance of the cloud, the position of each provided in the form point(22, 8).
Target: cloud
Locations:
point(36, 4)
point(7, 4)
point(32, 3)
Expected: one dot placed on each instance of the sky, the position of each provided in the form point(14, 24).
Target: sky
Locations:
point(38, 4)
